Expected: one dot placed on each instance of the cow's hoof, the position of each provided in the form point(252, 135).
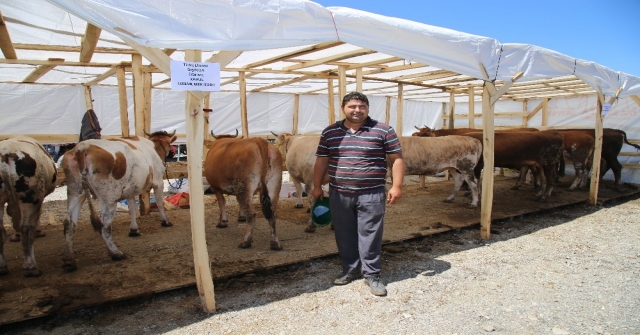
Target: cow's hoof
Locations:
point(310, 229)
point(242, 219)
point(69, 265)
point(276, 246)
point(39, 233)
point(4, 270)
point(31, 272)
point(15, 238)
point(134, 233)
point(299, 206)
point(244, 245)
point(166, 224)
point(447, 200)
point(118, 257)
point(223, 224)
point(472, 206)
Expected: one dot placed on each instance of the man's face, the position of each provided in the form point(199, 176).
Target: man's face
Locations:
point(355, 111)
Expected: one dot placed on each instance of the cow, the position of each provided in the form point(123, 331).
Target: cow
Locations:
point(428, 132)
point(541, 149)
point(612, 142)
point(578, 147)
point(300, 159)
point(112, 170)
point(457, 154)
point(27, 175)
point(242, 167)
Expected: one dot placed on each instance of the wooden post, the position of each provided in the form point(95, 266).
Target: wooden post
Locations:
point(332, 107)
point(452, 109)
point(124, 105)
point(243, 104)
point(205, 125)
point(147, 101)
point(472, 107)
point(139, 108)
point(342, 81)
point(525, 107)
point(359, 79)
point(296, 110)
point(399, 113)
point(488, 155)
point(387, 116)
point(195, 138)
point(88, 100)
point(545, 112)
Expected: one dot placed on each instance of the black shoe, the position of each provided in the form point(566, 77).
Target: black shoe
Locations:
point(376, 285)
point(346, 278)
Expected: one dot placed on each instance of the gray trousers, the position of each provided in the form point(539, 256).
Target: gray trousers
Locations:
point(358, 224)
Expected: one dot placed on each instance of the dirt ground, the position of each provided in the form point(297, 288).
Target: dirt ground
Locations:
point(162, 259)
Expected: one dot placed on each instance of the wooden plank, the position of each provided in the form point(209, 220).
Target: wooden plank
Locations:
point(525, 108)
point(629, 154)
point(534, 111)
point(88, 100)
point(89, 42)
point(636, 99)
point(488, 155)
point(75, 49)
point(297, 53)
point(545, 112)
point(472, 107)
point(41, 70)
point(243, 105)
point(147, 100)
point(597, 153)
point(282, 83)
point(631, 165)
point(452, 109)
point(387, 115)
point(123, 103)
point(46, 62)
point(332, 108)
point(195, 136)
point(332, 58)
point(6, 44)
point(399, 111)
point(342, 82)
point(296, 112)
point(358, 79)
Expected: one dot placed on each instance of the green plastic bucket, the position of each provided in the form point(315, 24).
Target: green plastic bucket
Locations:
point(320, 213)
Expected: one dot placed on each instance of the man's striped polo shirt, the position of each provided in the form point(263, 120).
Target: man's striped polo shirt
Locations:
point(358, 161)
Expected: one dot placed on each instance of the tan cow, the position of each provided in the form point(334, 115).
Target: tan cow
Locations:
point(112, 170)
point(300, 159)
point(242, 167)
point(27, 176)
point(457, 154)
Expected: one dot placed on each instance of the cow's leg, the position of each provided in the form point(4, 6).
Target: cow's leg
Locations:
point(578, 166)
point(540, 174)
point(298, 187)
point(550, 177)
point(30, 218)
point(246, 206)
point(3, 238)
point(470, 179)
point(222, 204)
point(107, 213)
point(457, 183)
point(74, 204)
point(134, 231)
point(270, 196)
point(523, 177)
point(616, 167)
point(311, 228)
point(158, 192)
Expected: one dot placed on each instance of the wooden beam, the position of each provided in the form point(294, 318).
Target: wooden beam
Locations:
point(41, 70)
point(46, 62)
point(387, 115)
point(195, 137)
point(319, 61)
point(358, 79)
point(597, 152)
point(6, 44)
point(331, 110)
point(534, 111)
point(525, 107)
point(636, 99)
point(486, 205)
point(282, 83)
point(488, 83)
point(472, 107)
point(297, 53)
point(452, 109)
point(342, 82)
point(400, 111)
point(88, 100)
point(243, 106)
point(147, 101)
point(296, 111)
point(123, 103)
point(89, 42)
point(68, 48)
point(545, 112)
point(372, 63)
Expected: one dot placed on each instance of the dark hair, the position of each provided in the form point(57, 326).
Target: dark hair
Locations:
point(355, 96)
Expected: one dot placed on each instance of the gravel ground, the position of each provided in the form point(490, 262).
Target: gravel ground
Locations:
point(570, 271)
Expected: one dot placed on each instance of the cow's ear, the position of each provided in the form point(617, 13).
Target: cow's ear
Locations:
point(173, 138)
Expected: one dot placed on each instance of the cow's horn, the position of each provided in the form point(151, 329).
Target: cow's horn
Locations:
point(417, 127)
point(236, 132)
point(147, 134)
point(174, 132)
point(274, 134)
point(213, 135)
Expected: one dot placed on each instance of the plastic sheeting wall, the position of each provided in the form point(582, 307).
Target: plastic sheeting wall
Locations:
point(43, 109)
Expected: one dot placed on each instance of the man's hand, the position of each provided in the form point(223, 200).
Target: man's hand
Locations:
point(317, 193)
point(394, 195)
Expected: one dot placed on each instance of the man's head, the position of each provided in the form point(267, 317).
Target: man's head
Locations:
point(355, 107)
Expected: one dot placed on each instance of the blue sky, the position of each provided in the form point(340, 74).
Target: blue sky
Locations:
point(603, 31)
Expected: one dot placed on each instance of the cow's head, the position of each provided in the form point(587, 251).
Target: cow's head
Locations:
point(162, 142)
point(282, 142)
point(424, 132)
point(217, 137)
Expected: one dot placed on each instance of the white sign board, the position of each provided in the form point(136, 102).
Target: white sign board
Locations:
point(606, 108)
point(195, 76)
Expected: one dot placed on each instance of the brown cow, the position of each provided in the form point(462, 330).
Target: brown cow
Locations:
point(300, 159)
point(428, 132)
point(27, 176)
point(457, 154)
point(612, 141)
point(242, 167)
point(112, 170)
point(541, 149)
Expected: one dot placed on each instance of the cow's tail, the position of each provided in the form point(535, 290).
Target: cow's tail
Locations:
point(624, 137)
point(95, 218)
point(265, 199)
point(81, 167)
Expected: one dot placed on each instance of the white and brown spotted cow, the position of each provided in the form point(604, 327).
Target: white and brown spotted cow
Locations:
point(242, 167)
point(27, 176)
point(300, 159)
point(112, 170)
point(457, 154)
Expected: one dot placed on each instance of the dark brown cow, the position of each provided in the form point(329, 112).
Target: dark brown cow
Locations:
point(242, 167)
point(612, 141)
point(27, 176)
point(513, 150)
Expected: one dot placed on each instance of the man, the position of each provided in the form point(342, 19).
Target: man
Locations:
point(354, 151)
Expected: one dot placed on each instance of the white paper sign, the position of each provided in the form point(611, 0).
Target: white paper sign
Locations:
point(606, 108)
point(195, 76)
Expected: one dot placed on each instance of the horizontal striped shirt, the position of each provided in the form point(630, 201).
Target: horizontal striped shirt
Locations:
point(358, 161)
